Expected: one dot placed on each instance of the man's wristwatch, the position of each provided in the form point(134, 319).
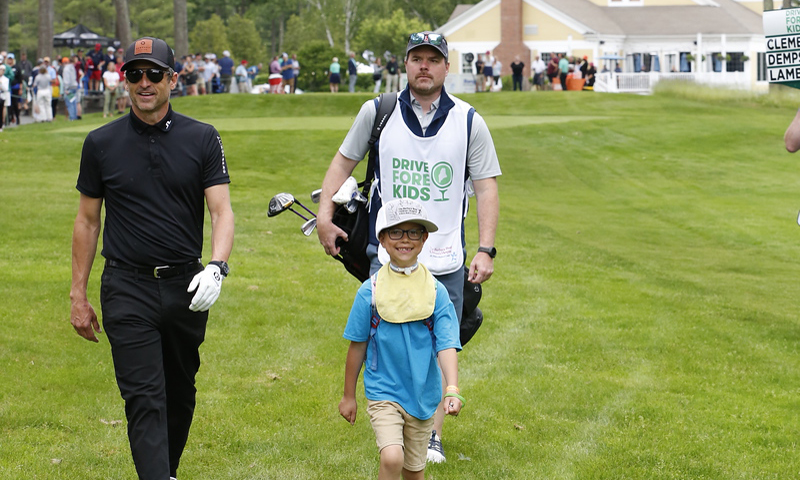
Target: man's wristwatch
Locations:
point(223, 267)
point(491, 251)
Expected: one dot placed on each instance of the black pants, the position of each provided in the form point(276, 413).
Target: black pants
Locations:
point(155, 342)
point(13, 110)
point(517, 80)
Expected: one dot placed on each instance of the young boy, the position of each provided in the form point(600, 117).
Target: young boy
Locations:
point(401, 320)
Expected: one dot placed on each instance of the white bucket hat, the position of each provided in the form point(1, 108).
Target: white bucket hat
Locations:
point(400, 211)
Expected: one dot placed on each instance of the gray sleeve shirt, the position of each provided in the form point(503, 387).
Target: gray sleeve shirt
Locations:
point(70, 76)
point(482, 159)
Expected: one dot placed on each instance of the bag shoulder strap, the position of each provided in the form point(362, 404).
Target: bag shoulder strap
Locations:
point(373, 326)
point(386, 104)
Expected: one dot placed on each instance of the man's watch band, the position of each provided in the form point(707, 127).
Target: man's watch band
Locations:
point(491, 251)
point(224, 269)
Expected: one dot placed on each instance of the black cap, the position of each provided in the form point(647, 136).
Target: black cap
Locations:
point(151, 49)
point(442, 46)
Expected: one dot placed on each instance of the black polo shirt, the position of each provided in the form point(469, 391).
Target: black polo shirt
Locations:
point(152, 179)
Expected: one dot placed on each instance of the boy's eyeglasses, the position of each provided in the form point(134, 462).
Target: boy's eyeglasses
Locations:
point(155, 75)
point(429, 38)
point(413, 234)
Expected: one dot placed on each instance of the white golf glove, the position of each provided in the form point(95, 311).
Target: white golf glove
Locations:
point(208, 284)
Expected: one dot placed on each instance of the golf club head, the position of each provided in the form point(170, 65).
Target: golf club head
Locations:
point(279, 204)
point(351, 206)
point(309, 226)
point(315, 195)
point(359, 197)
point(346, 191)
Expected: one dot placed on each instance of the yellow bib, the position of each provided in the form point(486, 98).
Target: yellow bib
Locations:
point(401, 298)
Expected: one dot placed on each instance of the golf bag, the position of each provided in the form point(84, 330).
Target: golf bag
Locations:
point(471, 315)
point(353, 252)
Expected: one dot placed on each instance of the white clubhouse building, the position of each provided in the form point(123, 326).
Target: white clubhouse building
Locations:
point(719, 42)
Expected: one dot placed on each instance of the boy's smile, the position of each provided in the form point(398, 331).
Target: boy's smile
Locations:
point(404, 251)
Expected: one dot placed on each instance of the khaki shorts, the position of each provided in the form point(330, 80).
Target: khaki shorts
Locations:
point(393, 426)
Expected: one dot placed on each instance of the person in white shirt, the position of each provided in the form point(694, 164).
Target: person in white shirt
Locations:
point(43, 111)
point(110, 84)
point(200, 68)
point(69, 86)
point(5, 97)
point(209, 72)
point(242, 80)
point(538, 67)
point(497, 67)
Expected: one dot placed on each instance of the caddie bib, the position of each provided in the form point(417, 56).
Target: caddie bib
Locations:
point(430, 170)
point(401, 298)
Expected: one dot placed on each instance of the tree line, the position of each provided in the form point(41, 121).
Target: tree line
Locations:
point(255, 30)
point(771, 5)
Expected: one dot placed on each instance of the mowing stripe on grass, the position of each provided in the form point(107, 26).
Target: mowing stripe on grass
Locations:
point(344, 123)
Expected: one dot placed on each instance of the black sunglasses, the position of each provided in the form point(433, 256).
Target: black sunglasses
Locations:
point(155, 75)
point(429, 38)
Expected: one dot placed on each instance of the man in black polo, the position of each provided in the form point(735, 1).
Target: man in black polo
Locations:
point(154, 168)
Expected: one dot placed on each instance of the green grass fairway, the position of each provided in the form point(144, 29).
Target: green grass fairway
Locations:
point(342, 123)
point(641, 322)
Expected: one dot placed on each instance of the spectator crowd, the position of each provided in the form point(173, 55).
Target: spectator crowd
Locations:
point(388, 74)
point(204, 74)
point(37, 89)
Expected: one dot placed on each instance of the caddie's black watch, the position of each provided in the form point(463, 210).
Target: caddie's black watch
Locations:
point(491, 251)
point(223, 267)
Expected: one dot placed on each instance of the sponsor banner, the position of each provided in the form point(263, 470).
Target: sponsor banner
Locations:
point(782, 29)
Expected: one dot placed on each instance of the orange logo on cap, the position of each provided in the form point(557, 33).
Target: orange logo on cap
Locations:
point(143, 46)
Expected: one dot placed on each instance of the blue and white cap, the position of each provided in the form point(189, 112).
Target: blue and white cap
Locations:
point(403, 210)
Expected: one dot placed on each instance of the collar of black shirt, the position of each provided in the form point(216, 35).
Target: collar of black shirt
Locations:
point(164, 125)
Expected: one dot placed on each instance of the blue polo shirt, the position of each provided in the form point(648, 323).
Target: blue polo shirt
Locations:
point(406, 370)
point(287, 74)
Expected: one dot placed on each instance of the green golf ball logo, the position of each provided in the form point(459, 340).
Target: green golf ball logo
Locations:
point(442, 177)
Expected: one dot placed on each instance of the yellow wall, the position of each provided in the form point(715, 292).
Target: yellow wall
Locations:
point(549, 28)
point(584, 53)
point(754, 5)
point(485, 28)
point(668, 3)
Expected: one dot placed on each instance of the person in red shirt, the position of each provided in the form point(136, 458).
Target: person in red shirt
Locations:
point(96, 67)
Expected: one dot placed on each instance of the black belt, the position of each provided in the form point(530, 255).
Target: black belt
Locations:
point(163, 271)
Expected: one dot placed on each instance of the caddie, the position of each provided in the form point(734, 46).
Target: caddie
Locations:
point(431, 145)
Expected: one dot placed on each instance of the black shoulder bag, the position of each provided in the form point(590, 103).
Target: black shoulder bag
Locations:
point(353, 252)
